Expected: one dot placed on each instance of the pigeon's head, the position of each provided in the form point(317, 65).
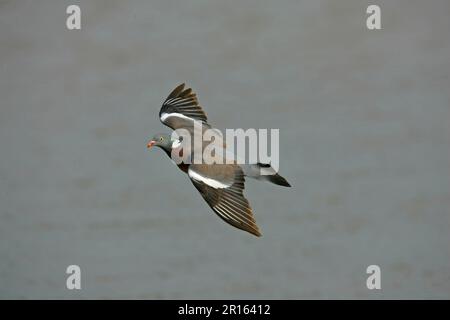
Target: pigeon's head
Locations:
point(161, 140)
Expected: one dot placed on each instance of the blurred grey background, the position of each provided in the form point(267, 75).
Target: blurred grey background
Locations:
point(364, 119)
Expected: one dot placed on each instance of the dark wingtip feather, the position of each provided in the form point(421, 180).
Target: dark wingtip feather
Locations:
point(175, 92)
point(254, 231)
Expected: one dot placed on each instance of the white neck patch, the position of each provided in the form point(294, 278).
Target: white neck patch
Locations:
point(176, 143)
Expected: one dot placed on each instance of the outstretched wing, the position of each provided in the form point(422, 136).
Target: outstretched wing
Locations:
point(222, 187)
point(181, 109)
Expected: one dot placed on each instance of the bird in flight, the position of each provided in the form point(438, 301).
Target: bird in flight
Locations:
point(221, 185)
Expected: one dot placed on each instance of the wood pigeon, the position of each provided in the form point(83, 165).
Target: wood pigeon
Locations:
point(221, 185)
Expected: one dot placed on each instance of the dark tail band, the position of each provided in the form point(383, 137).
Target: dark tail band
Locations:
point(279, 180)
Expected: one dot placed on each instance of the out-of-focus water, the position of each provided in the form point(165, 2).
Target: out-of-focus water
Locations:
point(364, 119)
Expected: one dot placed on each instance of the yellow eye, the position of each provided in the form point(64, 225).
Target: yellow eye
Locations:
point(161, 139)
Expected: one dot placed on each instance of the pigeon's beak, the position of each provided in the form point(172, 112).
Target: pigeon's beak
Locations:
point(151, 143)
